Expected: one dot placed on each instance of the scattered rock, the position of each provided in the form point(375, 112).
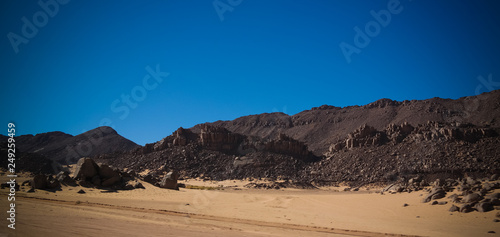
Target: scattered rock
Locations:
point(466, 208)
point(436, 193)
point(64, 179)
point(454, 208)
point(493, 196)
point(455, 198)
point(473, 197)
point(39, 182)
point(81, 191)
point(7, 185)
point(483, 207)
point(393, 188)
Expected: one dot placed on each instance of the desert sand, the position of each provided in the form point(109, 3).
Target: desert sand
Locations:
point(232, 210)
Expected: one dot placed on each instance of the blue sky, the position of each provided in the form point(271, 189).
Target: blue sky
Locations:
point(243, 57)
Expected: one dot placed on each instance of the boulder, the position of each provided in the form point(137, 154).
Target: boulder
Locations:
point(435, 193)
point(39, 181)
point(84, 183)
point(150, 179)
point(471, 181)
point(488, 186)
point(53, 184)
point(96, 180)
point(495, 202)
point(494, 196)
point(111, 181)
point(484, 207)
point(454, 198)
point(7, 185)
point(64, 179)
point(454, 208)
point(170, 181)
point(393, 188)
point(473, 197)
point(107, 172)
point(86, 168)
point(81, 191)
point(466, 208)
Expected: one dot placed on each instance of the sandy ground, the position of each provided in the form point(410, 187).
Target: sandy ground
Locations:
point(235, 211)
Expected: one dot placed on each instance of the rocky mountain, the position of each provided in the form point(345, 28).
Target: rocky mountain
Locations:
point(67, 149)
point(383, 141)
point(324, 125)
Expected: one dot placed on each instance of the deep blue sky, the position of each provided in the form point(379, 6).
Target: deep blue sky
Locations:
point(264, 56)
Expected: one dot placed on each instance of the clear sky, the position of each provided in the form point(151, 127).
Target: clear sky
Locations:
point(149, 67)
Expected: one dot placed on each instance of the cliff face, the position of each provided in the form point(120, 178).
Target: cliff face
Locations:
point(219, 139)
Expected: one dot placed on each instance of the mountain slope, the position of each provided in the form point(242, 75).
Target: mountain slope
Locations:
point(66, 149)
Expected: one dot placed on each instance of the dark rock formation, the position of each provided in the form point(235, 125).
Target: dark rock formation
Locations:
point(219, 139)
point(435, 193)
point(86, 168)
point(39, 182)
point(288, 146)
point(170, 181)
point(64, 178)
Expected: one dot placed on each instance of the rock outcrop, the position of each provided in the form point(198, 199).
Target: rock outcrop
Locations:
point(90, 174)
point(219, 139)
point(366, 135)
point(288, 146)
